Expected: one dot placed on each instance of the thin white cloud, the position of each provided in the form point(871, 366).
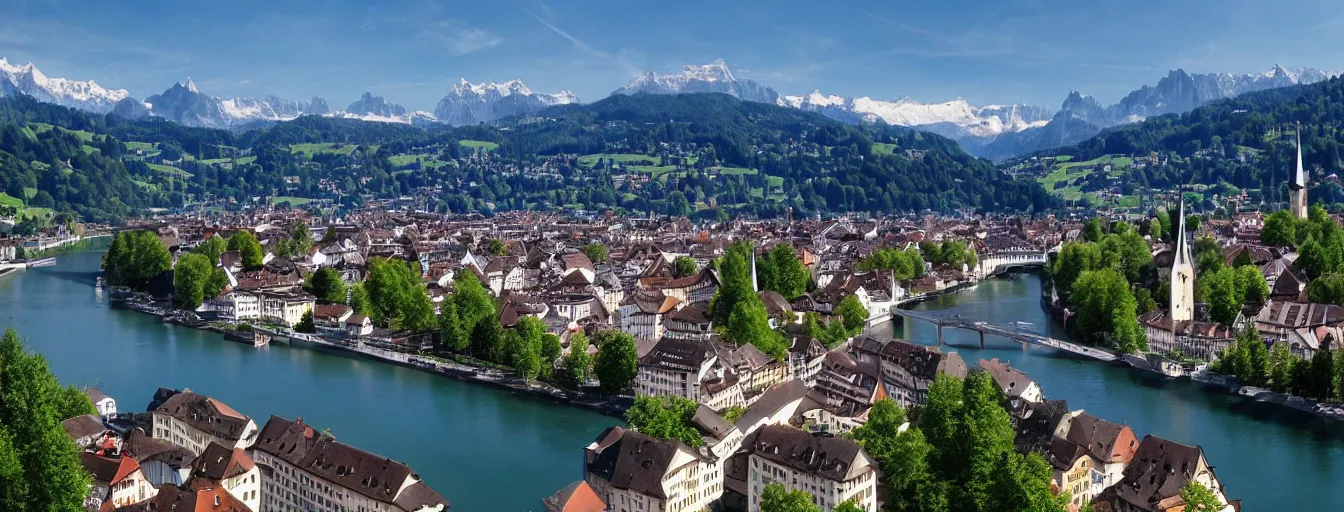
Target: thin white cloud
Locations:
point(463, 40)
point(582, 45)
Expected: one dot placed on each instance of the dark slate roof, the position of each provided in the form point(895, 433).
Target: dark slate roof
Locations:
point(1097, 435)
point(138, 444)
point(635, 462)
point(1159, 470)
point(205, 414)
point(83, 426)
point(819, 454)
point(176, 499)
point(1036, 423)
point(710, 424)
point(101, 469)
point(1011, 380)
point(218, 462)
point(676, 355)
point(772, 400)
point(373, 476)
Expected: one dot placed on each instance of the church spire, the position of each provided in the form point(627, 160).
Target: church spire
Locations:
point(1297, 185)
point(1299, 177)
point(1182, 248)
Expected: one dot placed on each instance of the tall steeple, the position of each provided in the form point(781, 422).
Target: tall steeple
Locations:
point(754, 286)
point(1297, 186)
point(1182, 274)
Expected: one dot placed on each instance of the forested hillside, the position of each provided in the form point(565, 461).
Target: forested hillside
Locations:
point(699, 155)
point(1246, 143)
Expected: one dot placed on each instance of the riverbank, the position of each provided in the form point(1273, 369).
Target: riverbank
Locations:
point(1160, 366)
point(354, 347)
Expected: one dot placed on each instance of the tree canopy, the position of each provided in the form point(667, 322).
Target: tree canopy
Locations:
point(40, 467)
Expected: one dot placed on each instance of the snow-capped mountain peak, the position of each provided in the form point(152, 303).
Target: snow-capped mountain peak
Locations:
point(712, 77)
point(467, 103)
point(190, 86)
point(87, 95)
point(957, 119)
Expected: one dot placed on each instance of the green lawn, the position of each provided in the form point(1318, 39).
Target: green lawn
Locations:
point(620, 158)
point(8, 200)
point(652, 169)
point(473, 144)
point(774, 181)
point(169, 170)
point(293, 201)
point(737, 170)
point(310, 149)
point(29, 133)
point(1069, 170)
point(28, 193)
point(216, 161)
point(247, 160)
point(883, 148)
point(33, 211)
point(89, 150)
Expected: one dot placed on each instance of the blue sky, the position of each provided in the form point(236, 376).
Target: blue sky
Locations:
point(412, 51)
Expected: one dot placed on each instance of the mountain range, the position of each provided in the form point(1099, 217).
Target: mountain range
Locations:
point(997, 132)
point(468, 103)
point(712, 77)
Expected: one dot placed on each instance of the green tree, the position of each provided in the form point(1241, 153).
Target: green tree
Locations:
point(1127, 252)
point(40, 467)
point(301, 239)
point(1164, 219)
point(550, 349)
point(854, 315)
point(734, 282)
point(190, 277)
point(134, 259)
point(328, 286)
point(749, 323)
point(525, 350)
point(330, 235)
point(1257, 357)
point(1199, 498)
point(576, 366)
point(1092, 230)
point(775, 498)
point(249, 249)
point(1074, 258)
point(1220, 290)
point(211, 248)
point(487, 340)
point(74, 402)
point(1096, 296)
point(617, 361)
point(1328, 289)
point(1280, 230)
point(359, 299)
point(1155, 230)
point(1313, 259)
point(1251, 285)
point(1281, 362)
point(781, 270)
point(454, 335)
point(1208, 254)
point(306, 323)
point(496, 247)
point(472, 301)
point(397, 298)
point(1243, 259)
point(683, 266)
point(665, 417)
point(597, 253)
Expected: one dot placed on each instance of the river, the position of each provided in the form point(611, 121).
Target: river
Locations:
point(489, 450)
point(1271, 460)
point(484, 449)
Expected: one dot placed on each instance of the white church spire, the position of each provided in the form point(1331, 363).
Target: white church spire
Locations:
point(1297, 185)
point(1182, 274)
